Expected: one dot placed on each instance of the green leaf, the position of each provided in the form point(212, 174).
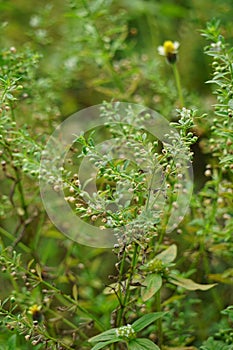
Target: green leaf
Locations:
point(10, 97)
point(101, 345)
point(4, 302)
point(38, 270)
point(168, 255)
point(145, 320)
point(142, 344)
point(212, 344)
point(75, 292)
point(105, 336)
point(11, 343)
point(190, 284)
point(152, 284)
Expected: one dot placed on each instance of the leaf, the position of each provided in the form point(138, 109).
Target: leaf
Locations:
point(173, 298)
point(180, 348)
point(168, 255)
point(112, 288)
point(105, 336)
point(38, 270)
point(145, 320)
point(152, 284)
point(101, 345)
point(75, 292)
point(190, 284)
point(142, 344)
point(30, 264)
point(11, 343)
point(10, 97)
point(53, 234)
point(212, 344)
point(115, 287)
point(225, 277)
point(4, 302)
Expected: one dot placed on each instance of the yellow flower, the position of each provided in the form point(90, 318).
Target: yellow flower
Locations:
point(169, 50)
point(35, 311)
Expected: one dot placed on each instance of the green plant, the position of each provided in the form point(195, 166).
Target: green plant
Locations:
point(128, 334)
point(58, 294)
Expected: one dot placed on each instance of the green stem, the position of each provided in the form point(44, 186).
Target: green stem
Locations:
point(12, 111)
point(159, 321)
point(69, 323)
point(132, 270)
point(21, 194)
point(108, 62)
point(178, 84)
point(63, 297)
point(210, 220)
point(12, 238)
point(119, 315)
point(40, 330)
point(127, 292)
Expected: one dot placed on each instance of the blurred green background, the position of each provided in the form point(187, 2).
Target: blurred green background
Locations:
point(71, 52)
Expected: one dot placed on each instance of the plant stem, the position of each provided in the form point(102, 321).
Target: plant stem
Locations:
point(69, 323)
point(21, 193)
point(108, 61)
point(127, 291)
point(64, 297)
point(159, 321)
point(12, 238)
point(133, 266)
point(210, 222)
point(178, 84)
point(119, 315)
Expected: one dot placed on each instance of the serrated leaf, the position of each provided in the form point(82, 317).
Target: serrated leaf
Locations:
point(168, 255)
point(105, 336)
point(146, 320)
point(152, 284)
point(190, 284)
point(142, 344)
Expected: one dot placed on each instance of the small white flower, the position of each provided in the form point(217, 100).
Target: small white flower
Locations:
point(126, 332)
point(216, 46)
point(71, 63)
point(35, 21)
point(185, 113)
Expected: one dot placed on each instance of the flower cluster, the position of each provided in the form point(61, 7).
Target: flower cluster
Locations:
point(157, 266)
point(126, 332)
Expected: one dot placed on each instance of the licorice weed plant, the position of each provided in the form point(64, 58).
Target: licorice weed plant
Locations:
point(166, 281)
